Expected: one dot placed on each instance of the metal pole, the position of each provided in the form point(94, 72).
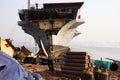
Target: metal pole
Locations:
point(0, 43)
point(28, 4)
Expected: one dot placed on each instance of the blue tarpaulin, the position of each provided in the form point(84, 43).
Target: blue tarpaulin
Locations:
point(13, 70)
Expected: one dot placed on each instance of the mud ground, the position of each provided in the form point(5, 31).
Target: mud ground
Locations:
point(56, 75)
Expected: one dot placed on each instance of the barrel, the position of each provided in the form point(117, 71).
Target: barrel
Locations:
point(98, 63)
point(101, 75)
point(106, 65)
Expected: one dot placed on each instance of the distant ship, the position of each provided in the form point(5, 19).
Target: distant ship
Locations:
point(53, 26)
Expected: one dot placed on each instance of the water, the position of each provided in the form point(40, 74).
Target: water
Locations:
point(98, 51)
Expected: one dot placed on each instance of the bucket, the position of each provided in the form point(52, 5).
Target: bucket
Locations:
point(106, 65)
point(98, 63)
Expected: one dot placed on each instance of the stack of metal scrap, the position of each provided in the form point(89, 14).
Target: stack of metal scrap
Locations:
point(78, 65)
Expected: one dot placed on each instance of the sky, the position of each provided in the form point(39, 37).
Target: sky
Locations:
point(101, 20)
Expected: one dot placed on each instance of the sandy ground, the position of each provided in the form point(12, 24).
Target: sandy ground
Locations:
point(43, 70)
point(47, 75)
point(115, 75)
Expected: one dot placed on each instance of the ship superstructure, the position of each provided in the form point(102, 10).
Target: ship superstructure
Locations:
point(52, 26)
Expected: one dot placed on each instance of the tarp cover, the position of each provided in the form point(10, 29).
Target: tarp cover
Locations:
point(13, 70)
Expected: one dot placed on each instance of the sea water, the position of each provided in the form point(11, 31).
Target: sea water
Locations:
point(98, 51)
point(95, 50)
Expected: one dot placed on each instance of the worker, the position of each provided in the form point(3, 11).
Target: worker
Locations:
point(50, 60)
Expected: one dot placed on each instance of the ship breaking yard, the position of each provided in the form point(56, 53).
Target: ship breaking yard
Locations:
point(53, 27)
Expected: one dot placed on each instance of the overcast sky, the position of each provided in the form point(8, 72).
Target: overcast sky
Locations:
point(102, 20)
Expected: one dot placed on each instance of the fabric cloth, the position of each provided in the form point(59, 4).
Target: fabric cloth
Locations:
point(13, 70)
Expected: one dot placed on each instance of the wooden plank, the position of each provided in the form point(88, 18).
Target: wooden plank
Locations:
point(73, 68)
point(76, 57)
point(70, 72)
point(71, 77)
point(76, 61)
point(76, 65)
point(77, 53)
